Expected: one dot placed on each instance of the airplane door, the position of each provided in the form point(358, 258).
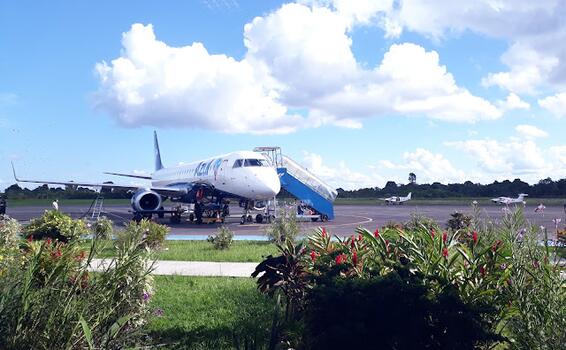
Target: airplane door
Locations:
point(223, 172)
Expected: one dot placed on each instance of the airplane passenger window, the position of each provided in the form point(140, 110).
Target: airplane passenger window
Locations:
point(253, 162)
point(238, 163)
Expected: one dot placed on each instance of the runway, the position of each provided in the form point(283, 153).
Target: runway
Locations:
point(348, 217)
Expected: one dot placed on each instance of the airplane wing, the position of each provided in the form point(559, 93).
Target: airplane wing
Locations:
point(167, 191)
point(146, 177)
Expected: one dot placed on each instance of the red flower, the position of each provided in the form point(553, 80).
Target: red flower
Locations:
point(376, 232)
point(387, 245)
point(360, 237)
point(444, 236)
point(353, 242)
point(432, 233)
point(445, 252)
point(30, 239)
point(482, 271)
point(313, 255)
point(475, 237)
point(340, 259)
point(48, 241)
point(355, 258)
point(323, 232)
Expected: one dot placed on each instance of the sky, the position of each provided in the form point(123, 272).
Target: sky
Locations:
point(359, 92)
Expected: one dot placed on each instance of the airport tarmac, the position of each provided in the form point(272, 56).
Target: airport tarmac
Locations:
point(348, 217)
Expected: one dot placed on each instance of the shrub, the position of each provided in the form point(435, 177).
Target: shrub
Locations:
point(150, 234)
point(458, 221)
point(50, 300)
point(102, 227)
point(222, 239)
point(9, 232)
point(390, 312)
point(283, 228)
point(55, 225)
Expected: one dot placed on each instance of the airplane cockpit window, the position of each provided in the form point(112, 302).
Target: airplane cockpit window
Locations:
point(255, 162)
point(238, 163)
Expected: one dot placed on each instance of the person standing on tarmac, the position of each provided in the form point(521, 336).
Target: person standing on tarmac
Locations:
point(55, 205)
point(3, 206)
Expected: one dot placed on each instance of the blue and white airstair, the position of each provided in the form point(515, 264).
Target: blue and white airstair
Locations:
point(302, 184)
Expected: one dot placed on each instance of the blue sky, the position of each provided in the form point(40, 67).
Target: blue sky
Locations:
point(360, 92)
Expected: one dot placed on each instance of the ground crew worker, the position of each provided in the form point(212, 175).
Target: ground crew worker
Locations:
point(55, 205)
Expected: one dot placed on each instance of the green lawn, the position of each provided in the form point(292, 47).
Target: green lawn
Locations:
point(209, 313)
point(240, 251)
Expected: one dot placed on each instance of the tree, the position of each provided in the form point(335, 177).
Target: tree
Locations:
point(412, 178)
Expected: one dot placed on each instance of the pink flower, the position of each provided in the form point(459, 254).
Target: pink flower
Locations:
point(360, 237)
point(444, 236)
point(353, 242)
point(48, 241)
point(482, 271)
point(313, 255)
point(323, 232)
point(445, 252)
point(376, 232)
point(475, 237)
point(432, 233)
point(355, 258)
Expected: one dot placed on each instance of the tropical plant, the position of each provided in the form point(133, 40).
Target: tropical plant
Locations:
point(9, 231)
point(283, 228)
point(152, 235)
point(458, 221)
point(50, 299)
point(102, 227)
point(222, 239)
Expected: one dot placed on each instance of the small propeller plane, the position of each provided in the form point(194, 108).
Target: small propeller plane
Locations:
point(396, 200)
point(508, 200)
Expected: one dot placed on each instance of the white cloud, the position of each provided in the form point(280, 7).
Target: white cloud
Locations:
point(513, 157)
point(428, 166)
point(556, 104)
point(155, 84)
point(532, 27)
point(340, 176)
point(513, 102)
point(298, 57)
point(530, 131)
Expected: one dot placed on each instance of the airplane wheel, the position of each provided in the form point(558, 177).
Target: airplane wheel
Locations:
point(161, 214)
point(191, 217)
point(243, 220)
point(250, 218)
point(175, 219)
point(324, 218)
point(259, 218)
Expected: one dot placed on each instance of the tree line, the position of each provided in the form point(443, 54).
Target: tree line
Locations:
point(69, 192)
point(544, 188)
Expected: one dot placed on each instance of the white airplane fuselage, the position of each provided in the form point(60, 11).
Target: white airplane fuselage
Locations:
point(243, 174)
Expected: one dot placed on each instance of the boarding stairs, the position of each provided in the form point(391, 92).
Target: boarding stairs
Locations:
point(97, 207)
point(301, 183)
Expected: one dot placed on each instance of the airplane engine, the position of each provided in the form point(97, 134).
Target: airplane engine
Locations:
point(144, 200)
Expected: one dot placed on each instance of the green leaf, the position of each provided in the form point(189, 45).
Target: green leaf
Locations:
point(87, 332)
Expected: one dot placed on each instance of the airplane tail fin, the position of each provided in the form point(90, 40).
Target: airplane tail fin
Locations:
point(158, 164)
point(409, 195)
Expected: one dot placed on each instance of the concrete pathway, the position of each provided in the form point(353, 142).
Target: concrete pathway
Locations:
point(193, 268)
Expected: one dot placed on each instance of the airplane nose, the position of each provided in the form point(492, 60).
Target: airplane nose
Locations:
point(272, 185)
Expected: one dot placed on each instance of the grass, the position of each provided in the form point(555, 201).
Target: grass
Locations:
point(209, 313)
point(445, 201)
point(240, 251)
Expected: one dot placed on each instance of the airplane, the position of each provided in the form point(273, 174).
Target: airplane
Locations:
point(508, 200)
point(396, 199)
point(245, 176)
